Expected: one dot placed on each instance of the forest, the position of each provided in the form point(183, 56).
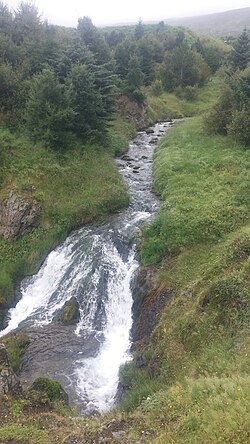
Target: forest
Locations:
point(70, 101)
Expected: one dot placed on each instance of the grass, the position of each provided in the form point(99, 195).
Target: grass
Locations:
point(204, 184)
point(171, 106)
point(196, 366)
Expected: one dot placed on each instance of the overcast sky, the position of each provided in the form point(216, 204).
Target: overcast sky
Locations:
point(103, 12)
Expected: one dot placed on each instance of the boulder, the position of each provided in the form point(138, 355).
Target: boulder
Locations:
point(18, 215)
point(69, 314)
point(9, 382)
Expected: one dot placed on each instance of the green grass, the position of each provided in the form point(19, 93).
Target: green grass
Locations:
point(171, 106)
point(30, 433)
point(197, 363)
point(204, 184)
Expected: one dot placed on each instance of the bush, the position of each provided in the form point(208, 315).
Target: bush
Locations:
point(239, 128)
point(156, 88)
point(53, 389)
point(218, 119)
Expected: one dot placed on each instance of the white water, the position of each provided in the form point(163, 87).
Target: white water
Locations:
point(97, 377)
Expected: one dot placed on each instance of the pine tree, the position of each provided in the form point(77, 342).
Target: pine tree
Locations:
point(241, 53)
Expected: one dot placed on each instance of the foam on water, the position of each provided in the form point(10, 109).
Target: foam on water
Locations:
point(97, 377)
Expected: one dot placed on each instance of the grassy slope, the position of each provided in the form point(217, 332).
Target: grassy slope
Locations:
point(197, 375)
point(169, 105)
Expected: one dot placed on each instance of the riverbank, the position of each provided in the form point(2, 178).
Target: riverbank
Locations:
point(191, 382)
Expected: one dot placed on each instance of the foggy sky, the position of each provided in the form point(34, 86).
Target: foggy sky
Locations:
point(105, 12)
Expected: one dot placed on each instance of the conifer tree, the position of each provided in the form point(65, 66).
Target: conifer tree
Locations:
point(241, 53)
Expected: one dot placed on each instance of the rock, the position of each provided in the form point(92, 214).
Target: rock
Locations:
point(52, 353)
point(9, 382)
point(149, 131)
point(18, 215)
point(70, 313)
point(147, 299)
point(131, 111)
point(154, 140)
point(127, 158)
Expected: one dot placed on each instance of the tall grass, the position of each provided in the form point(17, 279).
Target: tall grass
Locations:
point(197, 366)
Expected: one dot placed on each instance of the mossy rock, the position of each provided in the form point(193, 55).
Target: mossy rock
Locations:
point(69, 314)
point(52, 388)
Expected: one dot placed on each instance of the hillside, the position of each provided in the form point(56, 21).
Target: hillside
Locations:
point(219, 24)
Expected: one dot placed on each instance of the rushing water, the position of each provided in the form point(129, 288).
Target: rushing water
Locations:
point(95, 265)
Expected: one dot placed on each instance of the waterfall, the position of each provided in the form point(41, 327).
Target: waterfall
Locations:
point(96, 265)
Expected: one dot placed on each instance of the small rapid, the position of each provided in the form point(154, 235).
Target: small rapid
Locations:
point(95, 265)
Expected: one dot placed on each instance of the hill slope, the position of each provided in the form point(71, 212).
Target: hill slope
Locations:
point(219, 24)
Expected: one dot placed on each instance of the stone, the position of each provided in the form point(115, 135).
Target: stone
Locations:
point(9, 382)
point(69, 314)
point(18, 215)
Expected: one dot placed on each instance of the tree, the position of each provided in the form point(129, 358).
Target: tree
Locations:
point(49, 117)
point(122, 56)
point(86, 101)
point(27, 22)
point(135, 75)
point(241, 54)
point(183, 67)
point(94, 41)
point(139, 30)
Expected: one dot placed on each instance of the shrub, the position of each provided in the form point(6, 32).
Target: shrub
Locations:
point(239, 128)
point(53, 389)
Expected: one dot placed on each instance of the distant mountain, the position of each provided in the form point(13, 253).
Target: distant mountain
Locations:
point(218, 24)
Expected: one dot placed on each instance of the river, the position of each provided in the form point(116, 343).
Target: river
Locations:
point(96, 265)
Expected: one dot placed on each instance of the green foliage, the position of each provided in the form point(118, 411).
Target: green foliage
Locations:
point(220, 116)
point(48, 115)
point(241, 52)
point(16, 345)
point(183, 67)
point(135, 74)
point(239, 127)
point(189, 92)
point(53, 389)
point(210, 410)
point(231, 113)
point(156, 88)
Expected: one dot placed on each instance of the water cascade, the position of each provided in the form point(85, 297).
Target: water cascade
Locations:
point(96, 265)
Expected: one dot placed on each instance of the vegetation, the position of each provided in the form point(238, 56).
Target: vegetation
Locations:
point(231, 113)
point(16, 345)
point(53, 389)
point(189, 381)
point(196, 365)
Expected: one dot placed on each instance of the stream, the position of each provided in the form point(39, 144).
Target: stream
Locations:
point(96, 264)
